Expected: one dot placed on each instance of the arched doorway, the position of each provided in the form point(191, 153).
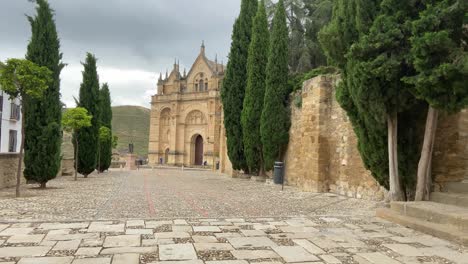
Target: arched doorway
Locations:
point(198, 150)
point(166, 156)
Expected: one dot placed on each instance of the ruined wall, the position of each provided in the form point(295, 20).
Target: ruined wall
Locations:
point(322, 155)
point(450, 159)
point(8, 168)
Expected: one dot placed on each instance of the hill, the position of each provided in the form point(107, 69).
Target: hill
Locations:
point(131, 124)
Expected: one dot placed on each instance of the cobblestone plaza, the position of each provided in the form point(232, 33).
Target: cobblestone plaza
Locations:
point(183, 217)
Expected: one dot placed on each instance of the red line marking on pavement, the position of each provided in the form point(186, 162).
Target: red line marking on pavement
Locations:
point(149, 201)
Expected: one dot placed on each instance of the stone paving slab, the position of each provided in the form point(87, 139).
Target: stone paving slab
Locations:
point(333, 242)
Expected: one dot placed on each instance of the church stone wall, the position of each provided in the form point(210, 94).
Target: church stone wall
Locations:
point(8, 169)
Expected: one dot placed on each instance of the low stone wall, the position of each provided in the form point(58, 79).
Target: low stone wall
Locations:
point(8, 168)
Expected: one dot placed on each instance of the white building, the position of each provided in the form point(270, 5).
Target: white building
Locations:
point(10, 124)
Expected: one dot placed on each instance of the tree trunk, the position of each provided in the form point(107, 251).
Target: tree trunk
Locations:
point(396, 192)
point(423, 187)
point(76, 158)
point(20, 162)
point(43, 185)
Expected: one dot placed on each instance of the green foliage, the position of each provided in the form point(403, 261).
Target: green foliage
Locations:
point(296, 80)
point(235, 82)
point(275, 120)
point(440, 55)
point(20, 78)
point(43, 133)
point(75, 119)
point(115, 141)
point(88, 137)
point(105, 145)
point(305, 19)
point(255, 92)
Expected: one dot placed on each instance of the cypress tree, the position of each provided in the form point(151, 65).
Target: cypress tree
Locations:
point(235, 82)
point(89, 99)
point(43, 134)
point(105, 146)
point(255, 92)
point(275, 120)
point(439, 53)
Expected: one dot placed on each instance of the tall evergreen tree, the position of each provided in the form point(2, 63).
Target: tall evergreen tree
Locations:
point(439, 53)
point(89, 99)
point(105, 146)
point(255, 92)
point(275, 120)
point(43, 134)
point(235, 82)
point(336, 39)
point(380, 62)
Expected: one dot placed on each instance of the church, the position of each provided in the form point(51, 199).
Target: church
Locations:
point(186, 115)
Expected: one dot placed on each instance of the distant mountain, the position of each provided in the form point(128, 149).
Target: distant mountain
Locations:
point(131, 124)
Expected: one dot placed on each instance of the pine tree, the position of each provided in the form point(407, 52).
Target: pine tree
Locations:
point(336, 39)
point(43, 134)
point(235, 82)
point(255, 92)
point(105, 146)
point(439, 53)
point(89, 99)
point(275, 120)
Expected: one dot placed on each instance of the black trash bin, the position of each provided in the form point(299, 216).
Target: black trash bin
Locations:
point(278, 172)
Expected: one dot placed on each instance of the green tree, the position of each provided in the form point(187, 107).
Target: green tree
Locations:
point(89, 99)
point(275, 120)
point(235, 82)
point(255, 92)
point(380, 61)
point(336, 39)
point(439, 53)
point(43, 138)
point(73, 120)
point(105, 146)
point(20, 79)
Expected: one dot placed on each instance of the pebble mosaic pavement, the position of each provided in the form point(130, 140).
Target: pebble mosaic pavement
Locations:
point(310, 228)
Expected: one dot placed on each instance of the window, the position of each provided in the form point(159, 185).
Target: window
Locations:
point(15, 112)
point(200, 85)
point(206, 86)
point(196, 87)
point(13, 141)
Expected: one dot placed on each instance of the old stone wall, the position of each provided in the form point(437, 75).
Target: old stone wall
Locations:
point(450, 159)
point(8, 168)
point(322, 155)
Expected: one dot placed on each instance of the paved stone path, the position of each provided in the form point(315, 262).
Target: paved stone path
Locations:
point(169, 193)
point(317, 239)
point(171, 216)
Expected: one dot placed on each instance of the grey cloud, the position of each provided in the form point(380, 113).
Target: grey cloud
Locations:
point(141, 35)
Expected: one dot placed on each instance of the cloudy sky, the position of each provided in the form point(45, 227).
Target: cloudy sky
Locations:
point(133, 40)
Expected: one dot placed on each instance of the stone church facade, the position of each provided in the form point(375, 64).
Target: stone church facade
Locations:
point(186, 115)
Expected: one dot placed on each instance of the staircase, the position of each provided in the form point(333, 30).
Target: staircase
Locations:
point(445, 216)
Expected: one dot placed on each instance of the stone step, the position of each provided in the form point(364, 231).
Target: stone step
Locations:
point(457, 187)
point(449, 215)
point(438, 230)
point(458, 199)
